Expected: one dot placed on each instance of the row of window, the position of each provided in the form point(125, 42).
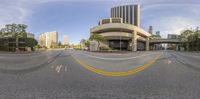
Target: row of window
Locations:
point(128, 13)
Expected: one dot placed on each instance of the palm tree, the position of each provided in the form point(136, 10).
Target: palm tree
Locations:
point(98, 38)
point(82, 42)
point(87, 44)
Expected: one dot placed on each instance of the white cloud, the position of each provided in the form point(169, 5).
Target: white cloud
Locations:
point(19, 11)
point(174, 24)
point(171, 17)
point(13, 11)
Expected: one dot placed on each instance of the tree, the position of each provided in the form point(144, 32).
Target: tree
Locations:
point(190, 39)
point(87, 44)
point(98, 38)
point(82, 42)
point(31, 42)
point(184, 38)
point(15, 30)
point(59, 44)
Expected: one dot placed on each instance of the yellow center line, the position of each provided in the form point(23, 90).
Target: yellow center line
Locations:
point(126, 73)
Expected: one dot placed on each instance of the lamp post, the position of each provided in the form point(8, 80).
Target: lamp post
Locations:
point(120, 42)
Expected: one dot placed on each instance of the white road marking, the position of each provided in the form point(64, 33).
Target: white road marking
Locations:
point(128, 58)
point(169, 61)
point(58, 68)
point(65, 68)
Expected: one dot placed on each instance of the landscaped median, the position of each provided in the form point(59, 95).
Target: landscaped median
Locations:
point(115, 66)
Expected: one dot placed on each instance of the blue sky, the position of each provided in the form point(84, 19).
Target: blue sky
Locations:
point(75, 17)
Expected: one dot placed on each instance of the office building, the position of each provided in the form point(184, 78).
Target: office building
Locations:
point(173, 36)
point(122, 31)
point(49, 39)
point(66, 40)
point(151, 29)
point(130, 14)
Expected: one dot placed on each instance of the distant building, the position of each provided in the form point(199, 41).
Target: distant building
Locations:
point(172, 46)
point(30, 35)
point(66, 40)
point(173, 36)
point(151, 29)
point(158, 33)
point(48, 39)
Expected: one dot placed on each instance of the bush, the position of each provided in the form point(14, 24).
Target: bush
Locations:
point(103, 48)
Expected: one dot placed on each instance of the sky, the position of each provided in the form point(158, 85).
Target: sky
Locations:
point(74, 18)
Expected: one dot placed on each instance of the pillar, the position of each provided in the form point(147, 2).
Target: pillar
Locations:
point(147, 44)
point(134, 41)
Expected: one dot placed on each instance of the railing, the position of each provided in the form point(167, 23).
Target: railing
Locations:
point(165, 41)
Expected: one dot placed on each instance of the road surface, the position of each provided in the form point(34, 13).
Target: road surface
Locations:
point(64, 75)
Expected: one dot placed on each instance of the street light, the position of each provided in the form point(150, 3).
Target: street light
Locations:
point(120, 40)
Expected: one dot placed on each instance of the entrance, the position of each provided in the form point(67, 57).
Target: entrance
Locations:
point(140, 46)
point(118, 45)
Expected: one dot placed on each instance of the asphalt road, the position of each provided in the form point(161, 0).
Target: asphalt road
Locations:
point(57, 75)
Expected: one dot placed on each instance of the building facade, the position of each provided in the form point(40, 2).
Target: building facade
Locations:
point(66, 40)
point(122, 31)
point(9, 44)
point(173, 46)
point(130, 14)
point(121, 36)
point(30, 35)
point(173, 36)
point(49, 39)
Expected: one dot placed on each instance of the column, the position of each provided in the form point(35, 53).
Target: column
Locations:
point(134, 41)
point(147, 44)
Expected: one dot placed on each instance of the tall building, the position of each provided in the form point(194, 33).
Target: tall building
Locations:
point(129, 13)
point(66, 40)
point(49, 39)
point(151, 29)
point(158, 33)
point(122, 31)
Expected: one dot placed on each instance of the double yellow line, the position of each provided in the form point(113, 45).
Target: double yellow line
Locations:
point(126, 73)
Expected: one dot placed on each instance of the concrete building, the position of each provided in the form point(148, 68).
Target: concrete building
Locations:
point(30, 35)
point(122, 31)
point(9, 44)
point(173, 46)
point(66, 40)
point(130, 14)
point(151, 29)
point(48, 39)
point(173, 36)
point(121, 36)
